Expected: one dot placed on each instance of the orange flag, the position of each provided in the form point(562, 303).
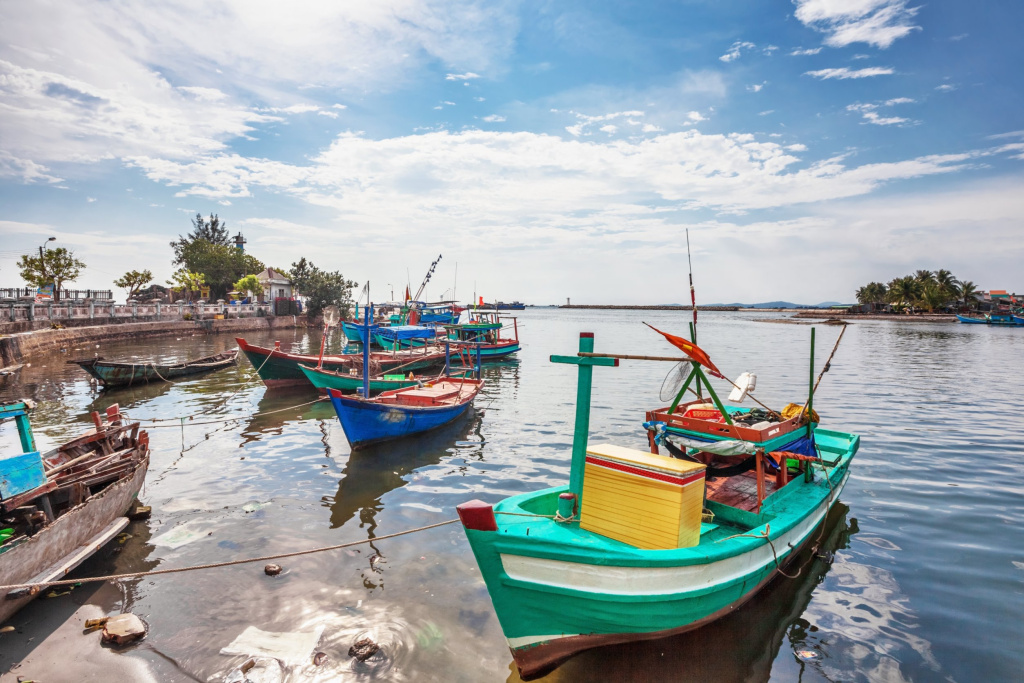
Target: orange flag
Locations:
point(690, 349)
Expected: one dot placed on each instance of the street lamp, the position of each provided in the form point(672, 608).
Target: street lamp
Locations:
point(42, 261)
point(392, 287)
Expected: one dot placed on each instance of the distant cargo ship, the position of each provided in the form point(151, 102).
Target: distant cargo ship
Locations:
point(502, 306)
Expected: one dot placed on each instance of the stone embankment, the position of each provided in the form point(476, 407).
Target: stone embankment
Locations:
point(16, 347)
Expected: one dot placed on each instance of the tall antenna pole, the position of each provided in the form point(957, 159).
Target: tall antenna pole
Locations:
point(693, 294)
point(455, 287)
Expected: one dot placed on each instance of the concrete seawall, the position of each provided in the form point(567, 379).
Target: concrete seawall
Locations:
point(17, 347)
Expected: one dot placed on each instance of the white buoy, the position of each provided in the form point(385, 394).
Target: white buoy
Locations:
point(744, 384)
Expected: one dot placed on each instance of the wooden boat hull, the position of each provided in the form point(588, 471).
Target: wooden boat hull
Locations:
point(348, 384)
point(560, 590)
point(281, 369)
point(70, 531)
point(118, 374)
point(355, 333)
point(1007, 320)
point(491, 352)
point(366, 423)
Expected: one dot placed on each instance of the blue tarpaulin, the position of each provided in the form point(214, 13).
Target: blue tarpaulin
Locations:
point(407, 332)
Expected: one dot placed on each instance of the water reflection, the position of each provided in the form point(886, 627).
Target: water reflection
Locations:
point(740, 647)
point(372, 472)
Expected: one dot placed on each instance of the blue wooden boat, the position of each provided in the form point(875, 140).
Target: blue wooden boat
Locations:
point(354, 332)
point(403, 412)
point(404, 336)
point(481, 331)
point(994, 319)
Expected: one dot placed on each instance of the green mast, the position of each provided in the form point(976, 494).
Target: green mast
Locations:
point(584, 383)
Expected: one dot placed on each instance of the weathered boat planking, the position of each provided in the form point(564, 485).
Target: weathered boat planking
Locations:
point(559, 587)
point(279, 368)
point(89, 484)
point(482, 330)
point(403, 412)
point(128, 373)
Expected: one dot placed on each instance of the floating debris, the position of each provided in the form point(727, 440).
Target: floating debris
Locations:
point(807, 655)
point(272, 569)
point(123, 628)
point(290, 648)
point(363, 649)
point(319, 658)
point(180, 535)
point(139, 511)
point(257, 670)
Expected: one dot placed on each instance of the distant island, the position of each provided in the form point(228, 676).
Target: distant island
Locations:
point(705, 307)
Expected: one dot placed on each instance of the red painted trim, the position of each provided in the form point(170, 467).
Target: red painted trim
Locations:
point(477, 516)
point(586, 335)
point(649, 474)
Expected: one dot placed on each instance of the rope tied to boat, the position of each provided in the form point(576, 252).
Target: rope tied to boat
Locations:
point(214, 565)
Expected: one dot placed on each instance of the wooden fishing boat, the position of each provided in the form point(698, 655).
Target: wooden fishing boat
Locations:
point(404, 336)
point(1006, 319)
point(482, 330)
point(403, 412)
point(354, 332)
point(640, 545)
point(279, 368)
point(58, 508)
point(128, 373)
point(350, 382)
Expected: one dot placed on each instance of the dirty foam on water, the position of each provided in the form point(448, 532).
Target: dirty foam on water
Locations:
point(925, 582)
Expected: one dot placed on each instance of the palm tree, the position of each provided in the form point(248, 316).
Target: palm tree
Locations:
point(877, 292)
point(903, 291)
point(924, 276)
point(947, 282)
point(967, 293)
point(933, 296)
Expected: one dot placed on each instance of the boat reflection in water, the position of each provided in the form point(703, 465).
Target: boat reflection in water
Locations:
point(374, 471)
point(740, 647)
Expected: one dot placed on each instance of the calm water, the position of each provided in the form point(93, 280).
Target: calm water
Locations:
point(927, 582)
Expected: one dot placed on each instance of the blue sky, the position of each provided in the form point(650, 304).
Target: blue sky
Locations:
point(551, 149)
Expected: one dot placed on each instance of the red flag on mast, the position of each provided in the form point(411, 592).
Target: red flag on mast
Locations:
point(690, 349)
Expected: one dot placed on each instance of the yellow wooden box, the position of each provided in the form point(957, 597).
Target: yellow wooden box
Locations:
point(649, 501)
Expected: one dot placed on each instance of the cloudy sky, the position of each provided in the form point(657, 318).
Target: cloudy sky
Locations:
point(550, 149)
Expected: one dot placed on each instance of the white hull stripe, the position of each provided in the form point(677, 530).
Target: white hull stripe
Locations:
point(611, 580)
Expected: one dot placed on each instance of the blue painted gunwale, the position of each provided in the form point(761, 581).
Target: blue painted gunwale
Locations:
point(370, 421)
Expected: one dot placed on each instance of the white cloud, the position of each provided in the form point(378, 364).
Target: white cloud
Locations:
point(945, 87)
point(844, 73)
point(303, 108)
point(90, 200)
point(797, 148)
point(695, 116)
point(481, 176)
point(734, 51)
point(875, 22)
point(766, 112)
point(809, 51)
point(650, 128)
point(769, 49)
point(339, 106)
point(204, 94)
point(609, 129)
point(469, 75)
point(869, 112)
point(330, 114)
point(757, 87)
point(479, 99)
point(26, 170)
point(494, 118)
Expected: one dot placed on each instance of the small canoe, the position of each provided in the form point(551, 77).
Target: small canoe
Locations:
point(403, 412)
point(279, 368)
point(71, 501)
point(972, 321)
point(127, 373)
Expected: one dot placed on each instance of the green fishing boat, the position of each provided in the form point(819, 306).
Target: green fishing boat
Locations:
point(348, 383)
point(640, 545)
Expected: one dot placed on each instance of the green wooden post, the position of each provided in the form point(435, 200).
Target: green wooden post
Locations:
point(714, 396)
point(686, 385)
point(582, 430)
point(28, 442)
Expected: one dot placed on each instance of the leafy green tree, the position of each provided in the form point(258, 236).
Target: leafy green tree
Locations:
point(221, 265)
point(55, 265)
point(321, 288)
point(211, 230)
point(924, 277)
point(186, 282)
point(250, 284)
point(133, 281)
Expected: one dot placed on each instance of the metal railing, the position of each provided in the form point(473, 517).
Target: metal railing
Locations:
point(57, 311)
point(65, 294)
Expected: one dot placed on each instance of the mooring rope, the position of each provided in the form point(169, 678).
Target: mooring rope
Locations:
point(214, 565)
point(188, 418)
